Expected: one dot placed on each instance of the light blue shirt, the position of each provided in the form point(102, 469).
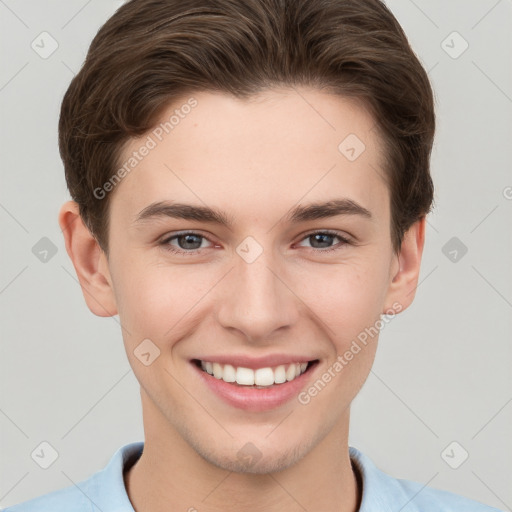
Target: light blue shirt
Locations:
point(104, 491)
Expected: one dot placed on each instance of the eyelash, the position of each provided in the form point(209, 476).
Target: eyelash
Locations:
point(165, 243)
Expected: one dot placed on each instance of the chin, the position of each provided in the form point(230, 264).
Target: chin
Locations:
point(250, 459)
point(257, 465)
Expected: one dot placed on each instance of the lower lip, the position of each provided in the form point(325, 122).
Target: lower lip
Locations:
point(253, 399)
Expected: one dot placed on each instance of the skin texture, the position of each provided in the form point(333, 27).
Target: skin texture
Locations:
point(255, 160)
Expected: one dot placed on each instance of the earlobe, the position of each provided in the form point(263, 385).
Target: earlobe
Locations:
point(89, 261)
point(406, 271)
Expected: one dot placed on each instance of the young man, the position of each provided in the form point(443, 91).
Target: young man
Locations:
point(250, 183)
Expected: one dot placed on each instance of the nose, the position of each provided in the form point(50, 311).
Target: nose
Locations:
point(257, 299)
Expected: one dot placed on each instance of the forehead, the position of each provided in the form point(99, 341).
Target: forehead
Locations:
point(280, 147)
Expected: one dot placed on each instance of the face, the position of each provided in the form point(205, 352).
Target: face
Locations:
point(267, 282)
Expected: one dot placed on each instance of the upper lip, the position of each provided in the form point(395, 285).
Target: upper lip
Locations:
point(241, 360)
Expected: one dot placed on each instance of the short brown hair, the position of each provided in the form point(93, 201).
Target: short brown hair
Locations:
point(150, 52)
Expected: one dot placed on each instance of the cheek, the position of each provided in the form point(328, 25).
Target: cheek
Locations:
point(157, 301)
point(346, 297)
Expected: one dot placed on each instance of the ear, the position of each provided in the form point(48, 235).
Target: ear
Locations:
point(89, 260)
point(405, 269)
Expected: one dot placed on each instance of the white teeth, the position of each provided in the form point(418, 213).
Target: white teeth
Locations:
point(280, 374)
point(217, 370)
point(291, 372)
point(244, 376)
point(229, 374)
point(262, 377)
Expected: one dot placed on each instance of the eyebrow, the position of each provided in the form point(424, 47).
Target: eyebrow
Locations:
point(300, 213)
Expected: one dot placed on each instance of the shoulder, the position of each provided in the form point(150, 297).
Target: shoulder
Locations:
point(384, 493)
point(69, 498)
point(104, 490)
point(427, 498)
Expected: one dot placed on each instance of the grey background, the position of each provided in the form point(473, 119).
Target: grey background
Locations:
point(443, 367)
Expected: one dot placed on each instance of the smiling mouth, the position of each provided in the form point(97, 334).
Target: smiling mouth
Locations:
point(259, 378)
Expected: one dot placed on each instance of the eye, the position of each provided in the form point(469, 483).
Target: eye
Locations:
point(190, 242)
point(186, 243)
point(321, 240)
